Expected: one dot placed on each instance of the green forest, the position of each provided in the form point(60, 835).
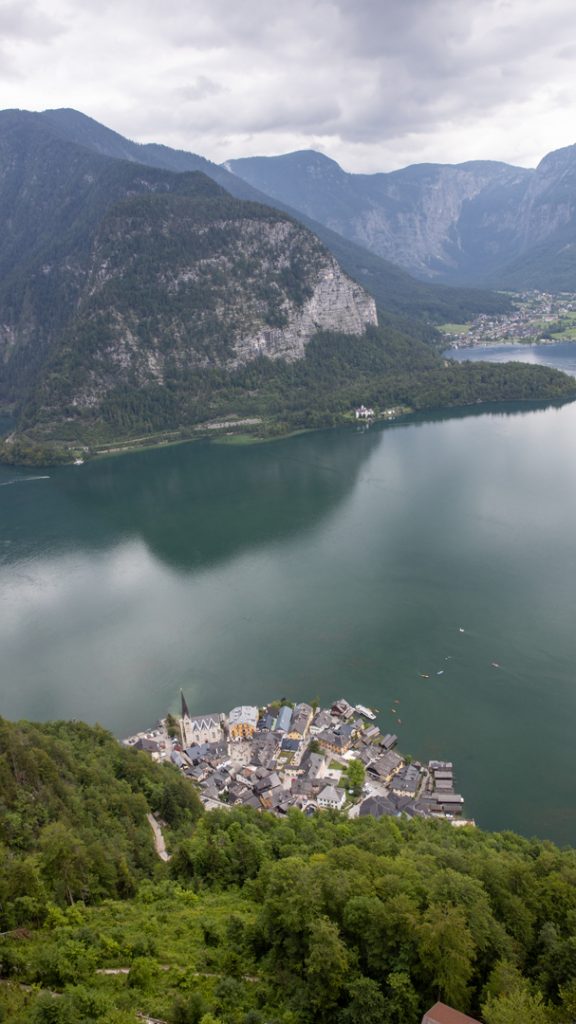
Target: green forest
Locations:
point(385, 368)
point(256, 919)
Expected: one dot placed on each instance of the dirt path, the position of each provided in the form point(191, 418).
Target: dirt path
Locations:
point(158, 838)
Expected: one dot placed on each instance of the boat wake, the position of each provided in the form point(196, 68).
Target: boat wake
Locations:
point(23, 480)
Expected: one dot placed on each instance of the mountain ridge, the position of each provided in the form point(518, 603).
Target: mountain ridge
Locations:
point(136, 300)
point(481, 222)
point(392, 288)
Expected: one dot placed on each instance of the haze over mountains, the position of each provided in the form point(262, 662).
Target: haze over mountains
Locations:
point(480, 223)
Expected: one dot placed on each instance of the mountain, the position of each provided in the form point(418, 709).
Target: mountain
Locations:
point(481, 222)
point(392, 288)
point(136, 300)
point(118, 276)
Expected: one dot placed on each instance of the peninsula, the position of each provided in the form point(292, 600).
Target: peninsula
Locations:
point(301, 755)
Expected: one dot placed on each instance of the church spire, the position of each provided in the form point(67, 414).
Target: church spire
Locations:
point(185, 712)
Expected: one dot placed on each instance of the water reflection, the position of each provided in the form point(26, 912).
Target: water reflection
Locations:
point(326, 564)
point(193, 505)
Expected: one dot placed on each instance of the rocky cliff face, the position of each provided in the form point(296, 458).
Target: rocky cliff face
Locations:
point(335, 304)
point(119, 278)
point(419, 217)
point(170, 291)
point(476, 223)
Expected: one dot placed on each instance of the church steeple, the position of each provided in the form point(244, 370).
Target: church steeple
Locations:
point(185, 712)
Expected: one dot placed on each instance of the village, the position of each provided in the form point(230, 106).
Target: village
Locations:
point(537, 317)
point(305, 756)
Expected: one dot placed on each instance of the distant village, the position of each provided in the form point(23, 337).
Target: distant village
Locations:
point(537, 317)
point(301, 755)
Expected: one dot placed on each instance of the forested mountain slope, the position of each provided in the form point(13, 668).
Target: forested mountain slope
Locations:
point(136, 300)
point(119, 276)
point(257, 919)
point(392, 288)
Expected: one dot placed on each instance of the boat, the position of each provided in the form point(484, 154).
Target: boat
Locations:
point(495, 664)
point(440, 673)
point(365, 711)
point(424, 675)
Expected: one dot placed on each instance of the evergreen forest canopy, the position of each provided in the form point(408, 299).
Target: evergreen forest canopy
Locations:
point(257, 919)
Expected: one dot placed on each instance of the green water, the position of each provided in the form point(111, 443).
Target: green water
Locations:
point(335, 563)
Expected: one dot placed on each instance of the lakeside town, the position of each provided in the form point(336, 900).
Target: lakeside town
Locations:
point(537, 318)
point(302, 755)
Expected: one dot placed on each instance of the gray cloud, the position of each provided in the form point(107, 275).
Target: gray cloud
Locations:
point(21, 22)
point(374, 83)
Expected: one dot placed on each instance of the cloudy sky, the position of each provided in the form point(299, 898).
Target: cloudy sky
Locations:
point(376, 84)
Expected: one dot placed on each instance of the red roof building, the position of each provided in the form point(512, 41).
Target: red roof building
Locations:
point(442, 1014)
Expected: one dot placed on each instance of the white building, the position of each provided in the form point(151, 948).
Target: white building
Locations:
point(331, 797)
point(362, 413)
point(200, 728)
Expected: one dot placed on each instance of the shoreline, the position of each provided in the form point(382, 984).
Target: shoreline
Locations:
point(287, 755)
point(230, 439)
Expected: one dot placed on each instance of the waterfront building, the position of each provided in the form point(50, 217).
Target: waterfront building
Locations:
point(301, 720)
point(201, 729)
point(242, 722)
point(284, 719)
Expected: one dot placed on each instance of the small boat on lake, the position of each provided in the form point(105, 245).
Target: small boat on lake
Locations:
point(367, 712)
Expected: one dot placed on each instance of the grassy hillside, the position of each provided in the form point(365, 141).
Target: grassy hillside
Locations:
point(258, 920)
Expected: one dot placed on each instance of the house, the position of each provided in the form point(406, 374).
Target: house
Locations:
point(322, 720)
point(378, 807)
point(284, 719)
point(242, 722)
point(362, 413)
point(440, 1013)
point(291, 746)
point(265, 747)
point(406, 782)
point(385, 766)
point(314, 765)
point(371, 733)
point(300, 721)
point(268, 722)
point(338, 740)
point(151, 746)
point(388, 741)
point(342, 709)
point(331, 797)
point(450, 803)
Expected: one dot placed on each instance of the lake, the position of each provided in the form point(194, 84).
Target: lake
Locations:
point(560, 355)
point(329, 564)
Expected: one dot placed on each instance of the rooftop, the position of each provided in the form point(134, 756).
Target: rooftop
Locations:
point(443, 1014)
